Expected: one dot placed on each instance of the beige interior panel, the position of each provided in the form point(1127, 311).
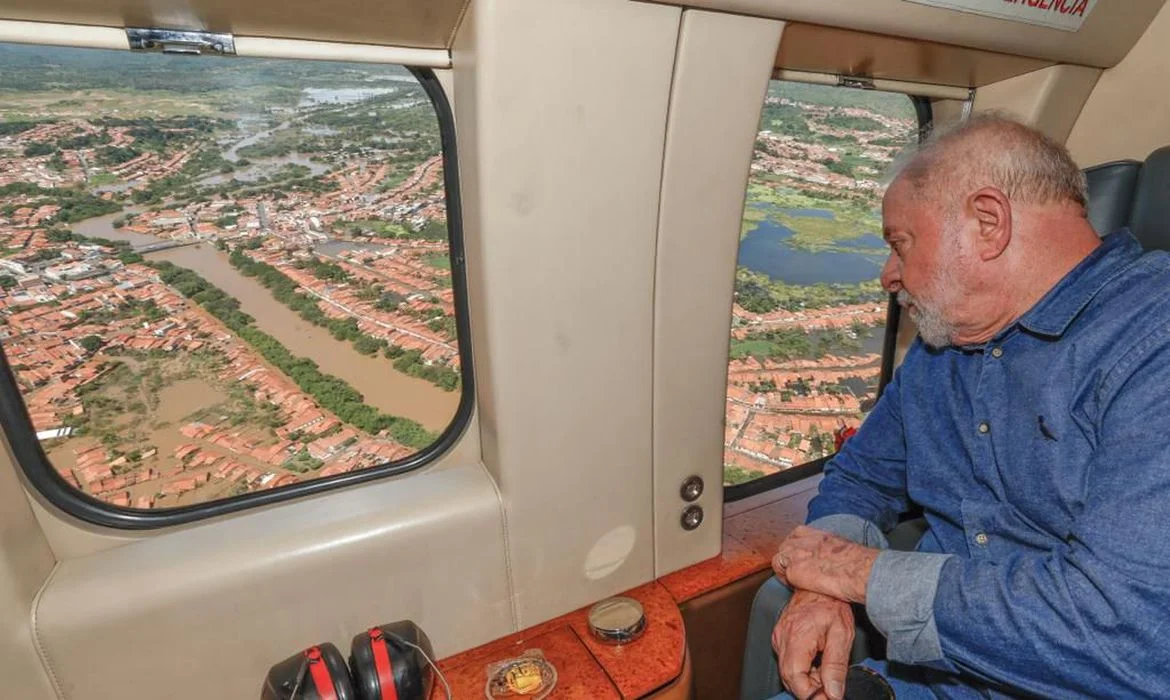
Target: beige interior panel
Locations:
point(205, 611)
point(1107, 34)
point(946, 111)
point(267, 47)
point(54, 34)
point(429, 24)
point(25, 563)
point(561, 111)
point(820, 49)
point(721, 75)
point(1049, 99)
point(1128, 114)
point(70, 538)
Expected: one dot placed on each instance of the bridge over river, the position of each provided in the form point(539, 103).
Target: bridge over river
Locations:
point(165, 245)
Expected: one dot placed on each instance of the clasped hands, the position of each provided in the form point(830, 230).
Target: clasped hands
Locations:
point(827, 574)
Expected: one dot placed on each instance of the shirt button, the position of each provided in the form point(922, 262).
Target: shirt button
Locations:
point(997, 352)
point(984, 428)
point(981, 539)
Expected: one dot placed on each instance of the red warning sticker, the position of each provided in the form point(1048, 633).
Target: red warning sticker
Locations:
point(1066, 15)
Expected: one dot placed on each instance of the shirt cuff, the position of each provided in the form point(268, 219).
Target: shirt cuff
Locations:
point(853, 528)
point(900, 602)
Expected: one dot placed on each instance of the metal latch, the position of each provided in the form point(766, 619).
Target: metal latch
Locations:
point(192, 43)
point(968, 105)
point(855, 81)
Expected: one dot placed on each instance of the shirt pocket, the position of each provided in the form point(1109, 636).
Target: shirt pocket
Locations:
point(1044, 469)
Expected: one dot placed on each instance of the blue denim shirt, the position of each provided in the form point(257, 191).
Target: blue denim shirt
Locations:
point(1042, 463)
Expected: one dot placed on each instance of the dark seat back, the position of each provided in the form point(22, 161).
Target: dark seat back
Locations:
point(1150, 216)
point(1111, 187)
point(1134, 194)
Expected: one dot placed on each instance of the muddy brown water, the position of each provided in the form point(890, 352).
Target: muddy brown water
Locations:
point(375, 377)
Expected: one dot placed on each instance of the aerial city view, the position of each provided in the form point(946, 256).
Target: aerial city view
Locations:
point(809, 313)
point(225, 276)
point(221, 276)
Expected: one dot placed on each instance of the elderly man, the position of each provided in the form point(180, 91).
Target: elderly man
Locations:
point(1030, 422)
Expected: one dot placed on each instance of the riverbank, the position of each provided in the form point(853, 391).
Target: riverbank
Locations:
point(332, 393)
point(286, 291)
point(383, 387)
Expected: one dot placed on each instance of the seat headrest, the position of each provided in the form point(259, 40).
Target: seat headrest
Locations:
point(1149, 219)
point(1111, 187)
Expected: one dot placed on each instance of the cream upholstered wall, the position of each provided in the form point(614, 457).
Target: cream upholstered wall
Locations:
point(721, 74)
point(1128, 113)
point(25, 564)
point(1049, 99)
point(1107, 34)
point(561, 108)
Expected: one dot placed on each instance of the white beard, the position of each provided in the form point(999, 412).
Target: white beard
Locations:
point(934, 330)
point(933, 326)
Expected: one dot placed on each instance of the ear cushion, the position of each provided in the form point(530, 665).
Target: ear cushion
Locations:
point(384, 668)
point(316, 673)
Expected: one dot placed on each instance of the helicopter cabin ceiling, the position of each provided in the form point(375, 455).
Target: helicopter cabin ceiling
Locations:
point(409, 23)
point(818, 49)
point(1109, 31)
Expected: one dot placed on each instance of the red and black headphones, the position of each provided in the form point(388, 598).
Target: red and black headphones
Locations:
point(388, 662)
point(317, 673)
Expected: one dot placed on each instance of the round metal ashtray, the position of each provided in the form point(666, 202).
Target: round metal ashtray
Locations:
point(617, 620)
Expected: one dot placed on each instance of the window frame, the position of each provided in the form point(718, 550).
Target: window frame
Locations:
point(925, 114)
point(41, 475)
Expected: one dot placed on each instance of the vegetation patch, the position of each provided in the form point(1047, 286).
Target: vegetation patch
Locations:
point(733, 475)
point(287, 292)
point(757, 293)
point(333, 393)
point(439, 261)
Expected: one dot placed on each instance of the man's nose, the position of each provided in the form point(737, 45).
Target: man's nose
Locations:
point(892, 275)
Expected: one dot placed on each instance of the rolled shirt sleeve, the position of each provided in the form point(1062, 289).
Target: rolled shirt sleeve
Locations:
point(900, 593)
point(899, 599)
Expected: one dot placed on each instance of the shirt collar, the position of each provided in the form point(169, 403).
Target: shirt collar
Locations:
point(1052, 315)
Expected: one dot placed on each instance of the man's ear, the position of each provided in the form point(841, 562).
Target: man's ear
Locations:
point(993, 212)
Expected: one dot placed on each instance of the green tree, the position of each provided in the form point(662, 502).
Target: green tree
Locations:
point(39, 149)
point(92, 343)
point(733, 475)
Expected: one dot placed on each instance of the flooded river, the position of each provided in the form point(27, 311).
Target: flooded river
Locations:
point(383, 386)
point(264, 167)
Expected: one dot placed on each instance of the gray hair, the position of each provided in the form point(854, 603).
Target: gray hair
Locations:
point(992, 149)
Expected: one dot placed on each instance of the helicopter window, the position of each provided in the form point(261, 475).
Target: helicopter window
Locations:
point(809, 320)
point(224, 281)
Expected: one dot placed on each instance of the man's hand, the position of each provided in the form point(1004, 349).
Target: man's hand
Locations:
point(814, 560)
point(813, 623)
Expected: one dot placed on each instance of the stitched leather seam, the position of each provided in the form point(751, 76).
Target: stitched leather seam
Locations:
point(34, 628)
